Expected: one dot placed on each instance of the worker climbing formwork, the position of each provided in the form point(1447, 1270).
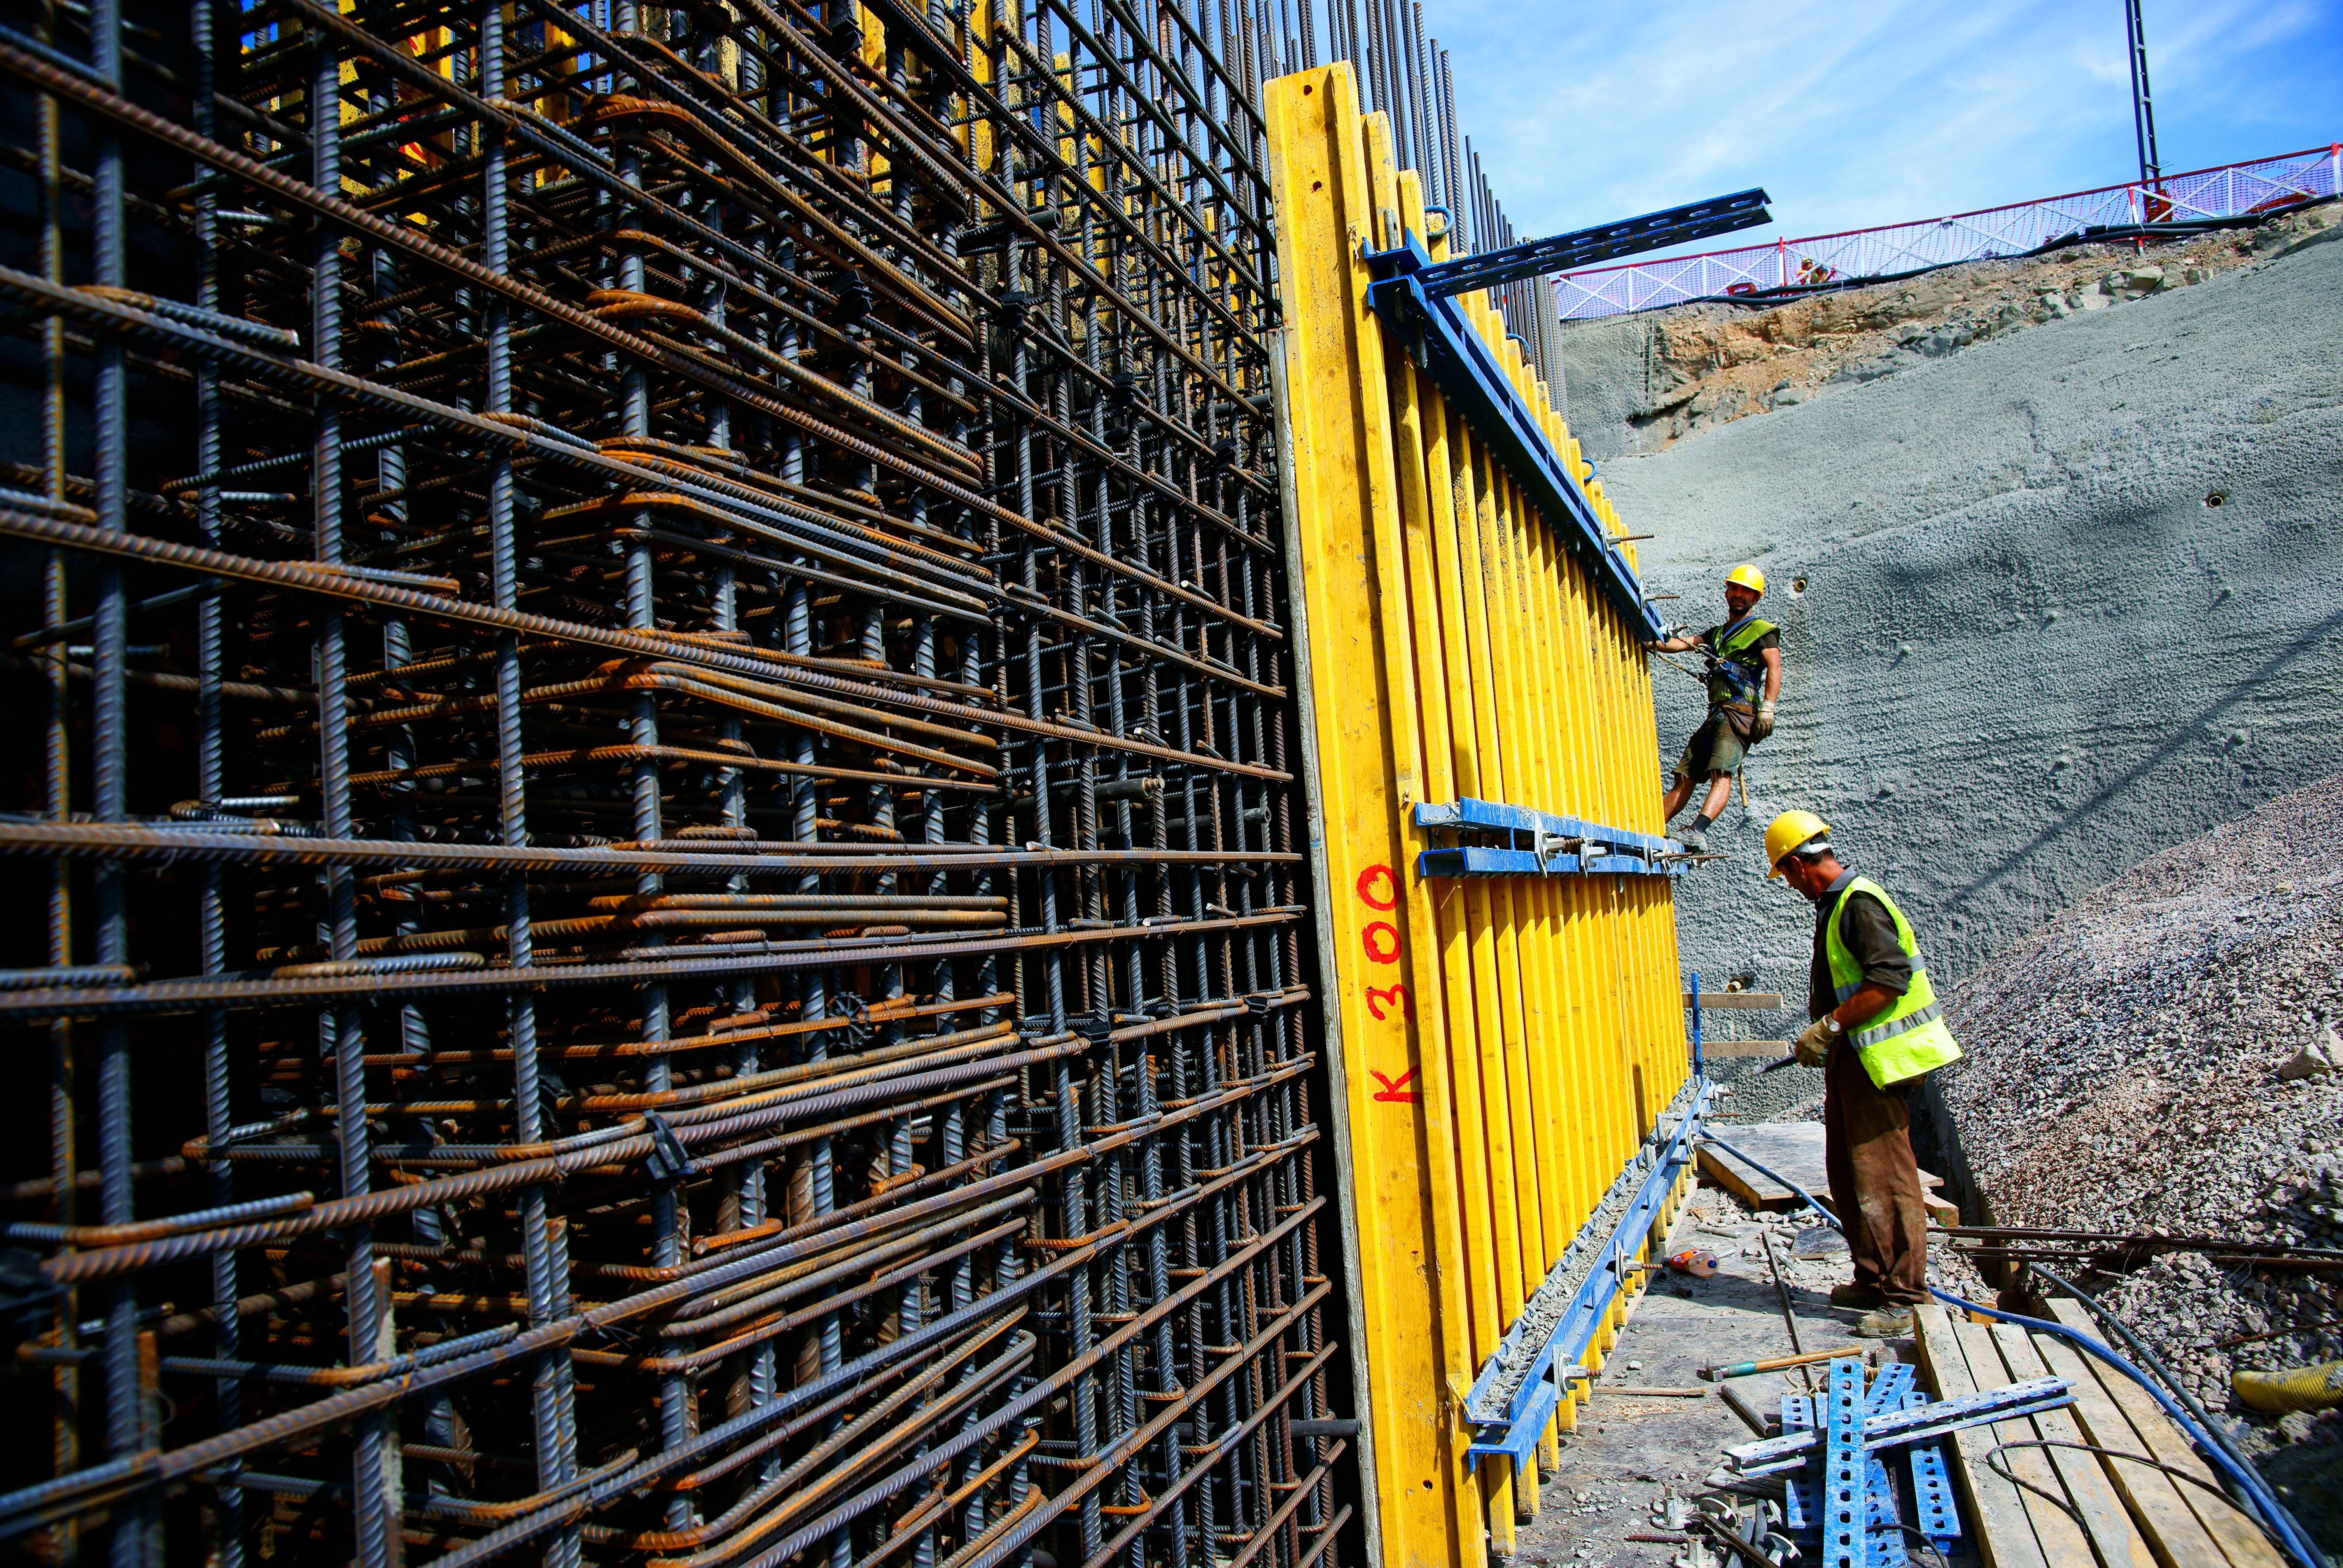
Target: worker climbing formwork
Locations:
point(1745, 681)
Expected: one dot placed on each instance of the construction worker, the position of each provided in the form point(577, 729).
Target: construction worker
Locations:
point(1744, 680)
point(1878, 1030)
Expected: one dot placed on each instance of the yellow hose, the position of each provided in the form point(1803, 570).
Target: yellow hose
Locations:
point(2316, 1387)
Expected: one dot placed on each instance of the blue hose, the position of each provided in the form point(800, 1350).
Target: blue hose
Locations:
point(2269, 1513)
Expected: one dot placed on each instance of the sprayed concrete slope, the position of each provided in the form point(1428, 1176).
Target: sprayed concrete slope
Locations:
point(2028, 653)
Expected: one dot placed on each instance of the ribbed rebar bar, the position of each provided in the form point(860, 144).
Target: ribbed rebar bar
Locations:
point(688, 716)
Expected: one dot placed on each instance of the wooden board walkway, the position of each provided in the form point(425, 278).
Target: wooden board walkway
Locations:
point(1796, 1150)
point(2075, 1507)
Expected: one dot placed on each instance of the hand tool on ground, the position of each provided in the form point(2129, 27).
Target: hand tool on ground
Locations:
point(1779, 1364)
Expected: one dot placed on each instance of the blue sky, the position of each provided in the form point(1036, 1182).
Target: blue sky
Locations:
point(1853, 113)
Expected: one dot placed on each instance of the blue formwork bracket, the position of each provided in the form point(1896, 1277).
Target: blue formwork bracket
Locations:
point(1933, 1513)
point(1521, 1385)
point(1915, 1424)
point(1530, 843)
point(1846, 1491)
point(1883, 1536)
point(1801, 1501)
point(1433, 330)
point(1936, 1514)
point(1887, 1389)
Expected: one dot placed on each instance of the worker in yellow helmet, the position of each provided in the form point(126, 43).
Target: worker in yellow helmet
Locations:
point(1878, 1030)
point(1745, 681)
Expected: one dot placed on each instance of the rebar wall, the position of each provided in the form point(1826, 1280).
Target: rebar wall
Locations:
point(657, 909)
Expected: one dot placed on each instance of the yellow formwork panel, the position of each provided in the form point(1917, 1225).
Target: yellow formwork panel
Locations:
point(1397, 1102)
point(1503, 1046)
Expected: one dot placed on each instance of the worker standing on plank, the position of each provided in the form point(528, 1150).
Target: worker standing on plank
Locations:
point(1877, 1030)
point(1744, 680)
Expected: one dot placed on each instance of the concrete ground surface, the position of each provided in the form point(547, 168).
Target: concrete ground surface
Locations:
point(1630, 1453)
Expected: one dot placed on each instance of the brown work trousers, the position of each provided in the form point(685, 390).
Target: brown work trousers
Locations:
point(1874, 1182)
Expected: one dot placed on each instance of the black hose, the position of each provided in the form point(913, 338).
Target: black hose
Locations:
point(2173, 1471)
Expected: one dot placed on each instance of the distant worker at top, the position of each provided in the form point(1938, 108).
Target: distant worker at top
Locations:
point(1744, 680)
point(1878, 1030)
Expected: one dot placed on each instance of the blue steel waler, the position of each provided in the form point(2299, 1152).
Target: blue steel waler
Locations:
point(1413, 294)
point(1521, 1385)
point(1559, 846)
point(1935, 1515)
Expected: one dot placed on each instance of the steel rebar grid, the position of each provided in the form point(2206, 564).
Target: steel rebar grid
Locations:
point(695, 598)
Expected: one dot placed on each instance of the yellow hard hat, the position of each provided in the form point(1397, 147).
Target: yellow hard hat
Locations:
point(1789, 830)
point(1748, 577)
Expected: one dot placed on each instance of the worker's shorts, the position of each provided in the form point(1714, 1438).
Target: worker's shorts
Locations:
point(1715, 747)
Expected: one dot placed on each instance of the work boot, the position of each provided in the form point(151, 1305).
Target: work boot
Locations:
point(1857, 1296)
point(1892, 1321)
point(1695, 837)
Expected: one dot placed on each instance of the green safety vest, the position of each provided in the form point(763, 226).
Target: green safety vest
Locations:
point(1908, 1037)
point(1738, 678)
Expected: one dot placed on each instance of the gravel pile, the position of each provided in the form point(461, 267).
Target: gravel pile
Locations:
point(2125, 1074)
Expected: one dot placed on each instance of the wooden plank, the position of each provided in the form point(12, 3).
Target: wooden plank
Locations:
point(2117, 1543)
point(1769, 1049)
point(1753, 1000)
point(2240, 1539)
point(1758, 1192)
point(2173, 1532)
point(2062, 1539)
point(1995, 1517)
point(1792, 1148)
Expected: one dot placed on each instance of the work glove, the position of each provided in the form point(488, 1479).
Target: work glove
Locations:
point(1763, 724)
point(1811, 1047)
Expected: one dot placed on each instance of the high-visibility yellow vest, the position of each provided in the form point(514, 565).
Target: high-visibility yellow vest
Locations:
point(1908, 1037)
point(1737, 677)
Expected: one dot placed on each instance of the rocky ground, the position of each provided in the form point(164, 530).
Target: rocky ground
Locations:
point(1708, 365)
point(2162, 1058)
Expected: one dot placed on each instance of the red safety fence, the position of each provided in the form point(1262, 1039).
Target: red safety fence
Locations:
point(2228, 192)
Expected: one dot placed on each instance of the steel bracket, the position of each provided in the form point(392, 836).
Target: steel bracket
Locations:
point(1938, 1517)
point(1605, 242)
point(1511, 1423)
point(1555, 846)
point(1847, 1503)
point(1924, 1423)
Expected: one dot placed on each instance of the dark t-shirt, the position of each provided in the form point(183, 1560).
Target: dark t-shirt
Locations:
point(1870, 937)
point(1752, 658)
